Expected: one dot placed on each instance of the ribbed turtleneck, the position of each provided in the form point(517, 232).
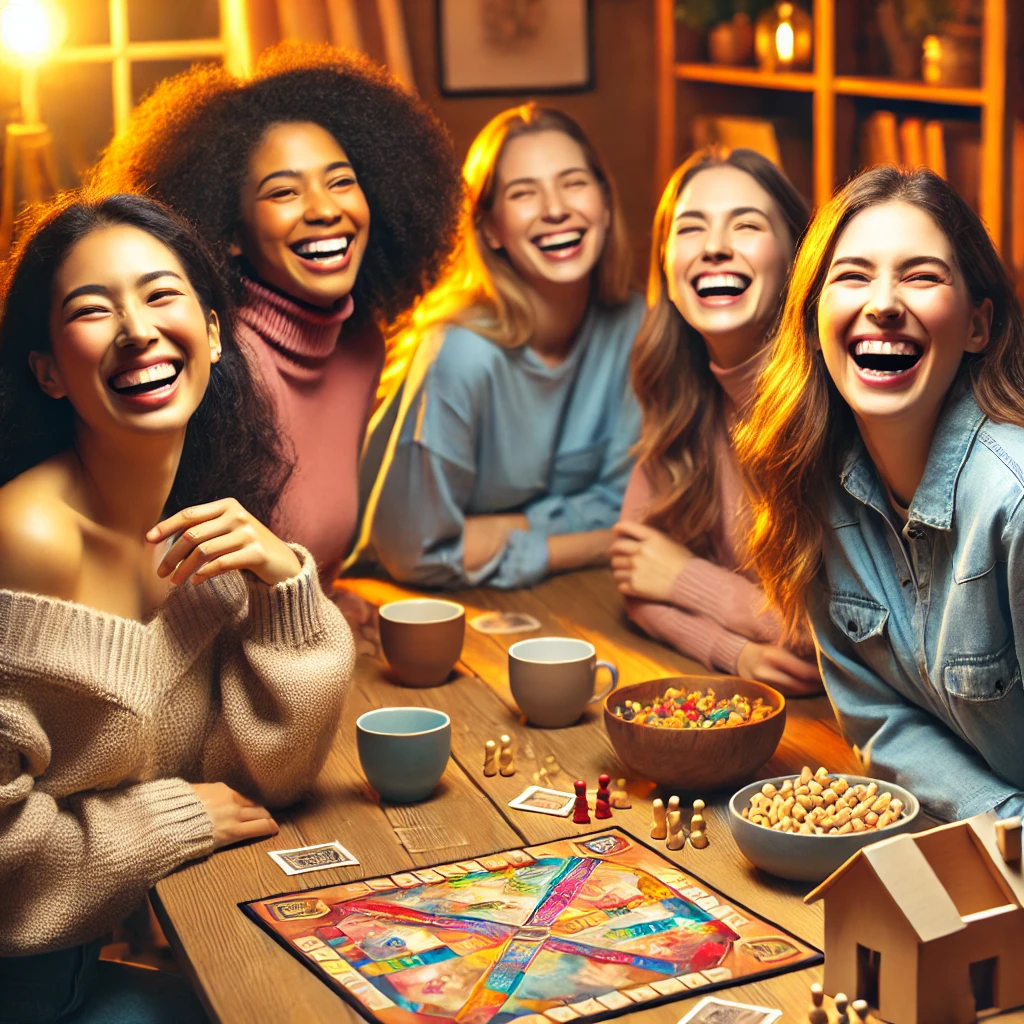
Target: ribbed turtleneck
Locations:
point(739, 382)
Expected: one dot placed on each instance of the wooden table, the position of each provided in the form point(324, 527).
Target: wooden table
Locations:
point(244, 976)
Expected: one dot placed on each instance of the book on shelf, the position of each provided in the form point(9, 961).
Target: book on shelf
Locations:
point(880, 141)
point(935, 148)
point(912, 145)
point(755, 133)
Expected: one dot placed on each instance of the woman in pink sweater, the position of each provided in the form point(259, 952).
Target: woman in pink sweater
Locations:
point(169, 668)
point(332, 196)
point(723, 239)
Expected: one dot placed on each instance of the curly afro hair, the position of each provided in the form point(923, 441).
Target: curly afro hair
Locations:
point(189, 144)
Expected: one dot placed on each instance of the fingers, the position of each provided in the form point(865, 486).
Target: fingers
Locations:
point(187, 517)
point(256, 828)
point(204, 553)
point(196, 534)
point(628, 528)
point(625, 547)
point(248, 557)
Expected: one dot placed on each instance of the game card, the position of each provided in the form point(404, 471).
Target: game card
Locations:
point(504, 622)
point(544, 801)
point(718, 1011)
point(312, 858)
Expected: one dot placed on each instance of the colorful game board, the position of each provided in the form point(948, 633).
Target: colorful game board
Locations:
point(578, 929)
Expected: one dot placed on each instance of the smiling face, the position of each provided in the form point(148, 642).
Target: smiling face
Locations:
point(305, 220)
point(550, 213)
point(727, 258)
point(131, 346)
point(895, 316)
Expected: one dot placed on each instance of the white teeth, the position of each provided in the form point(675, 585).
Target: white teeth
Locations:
point(560, 238)
point(148, 374)
point(708, 281)
point(877, 347)
point(323, 246)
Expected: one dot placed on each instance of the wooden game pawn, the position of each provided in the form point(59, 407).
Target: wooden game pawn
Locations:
point(676, 835)
point(673, 805)
point(698, 840)
point(817, 1014)
point(659, 828)
point(506, 759)
point(490, 758)
point(602, 807)
point(860, 1009)
point(581, 809)
point(697, 818)
point(619, 797)
point(841, 1002)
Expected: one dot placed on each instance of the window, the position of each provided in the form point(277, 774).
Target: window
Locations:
point(983, 983)
point(869, 964)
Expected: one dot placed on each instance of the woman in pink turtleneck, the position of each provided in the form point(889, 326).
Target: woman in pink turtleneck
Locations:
point(724, 236)
point(332, 196)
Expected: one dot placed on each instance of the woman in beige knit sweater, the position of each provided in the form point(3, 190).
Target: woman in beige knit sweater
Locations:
point(168, 666)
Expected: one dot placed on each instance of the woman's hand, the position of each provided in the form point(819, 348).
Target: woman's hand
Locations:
point(218, 537)
point(234, 816)
point(484, 536)
point(780, 668)
point(645, 562)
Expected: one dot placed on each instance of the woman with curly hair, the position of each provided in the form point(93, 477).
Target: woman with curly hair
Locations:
point(332, 196)
point(723, 239)
point(885, 449)
point(168, 666)
point(515, 421)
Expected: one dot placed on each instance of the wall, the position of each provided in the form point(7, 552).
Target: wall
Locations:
point(618, 113)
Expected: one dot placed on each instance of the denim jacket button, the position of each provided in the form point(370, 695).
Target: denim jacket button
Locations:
point(852, 626)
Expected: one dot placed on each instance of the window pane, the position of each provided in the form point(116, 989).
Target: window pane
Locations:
point(75, 101)
point(197, 19)
point(146, 73)
point(88, 22)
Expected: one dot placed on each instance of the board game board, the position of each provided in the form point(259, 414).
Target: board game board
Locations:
point(578, 929)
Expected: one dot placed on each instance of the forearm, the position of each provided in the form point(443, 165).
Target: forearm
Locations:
point(696, 636)
point(485, 537)
point(728, 597)
point(578, 550)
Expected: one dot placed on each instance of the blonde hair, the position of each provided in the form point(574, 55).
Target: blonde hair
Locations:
point(679, 397)
point(799, 428)
point(482, 290)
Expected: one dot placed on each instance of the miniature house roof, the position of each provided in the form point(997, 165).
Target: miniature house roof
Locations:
point(942, 878)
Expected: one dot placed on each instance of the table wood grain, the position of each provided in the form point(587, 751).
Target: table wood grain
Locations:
point(242, 975)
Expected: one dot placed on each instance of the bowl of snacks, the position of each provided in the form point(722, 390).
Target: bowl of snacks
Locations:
point(805, 826)
point(685, 734)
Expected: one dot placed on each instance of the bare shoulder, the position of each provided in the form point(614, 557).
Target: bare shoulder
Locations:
point(40, 536)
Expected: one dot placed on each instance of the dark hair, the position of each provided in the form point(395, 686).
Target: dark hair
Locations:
point(231, 442)
point(191, 140)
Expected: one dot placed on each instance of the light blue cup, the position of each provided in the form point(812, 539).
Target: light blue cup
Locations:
point(404, 751)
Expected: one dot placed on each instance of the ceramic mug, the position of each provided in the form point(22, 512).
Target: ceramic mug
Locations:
point(422, 639)
point(403, 751)
point(552, 678)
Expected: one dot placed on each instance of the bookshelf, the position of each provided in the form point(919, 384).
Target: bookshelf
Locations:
point(824, 108)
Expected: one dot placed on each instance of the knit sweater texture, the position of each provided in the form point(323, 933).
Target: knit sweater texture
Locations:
point(104, 722)
point(322, 379)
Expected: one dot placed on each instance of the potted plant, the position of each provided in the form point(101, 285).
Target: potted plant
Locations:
point(727, 26)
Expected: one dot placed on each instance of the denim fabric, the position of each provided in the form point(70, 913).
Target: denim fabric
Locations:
point(72, 986)
point(497, 430)
point(920, 626)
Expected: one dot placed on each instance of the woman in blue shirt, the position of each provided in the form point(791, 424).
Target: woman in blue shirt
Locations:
point(885, 449)
point(505, 454)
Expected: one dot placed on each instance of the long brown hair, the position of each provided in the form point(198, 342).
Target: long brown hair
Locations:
point(800, 428)
point(482, 290)
point(679, 396)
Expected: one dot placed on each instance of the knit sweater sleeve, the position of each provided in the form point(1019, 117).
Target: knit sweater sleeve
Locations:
point(283, 676)
point(70, 869)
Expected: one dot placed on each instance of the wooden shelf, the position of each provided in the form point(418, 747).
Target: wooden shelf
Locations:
point(725, 74)
point(890, 89)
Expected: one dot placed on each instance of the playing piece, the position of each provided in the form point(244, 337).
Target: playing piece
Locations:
point(581, 808)
point(712, 1010)
point(504, 622)
point(544, 801)
point(312, 858)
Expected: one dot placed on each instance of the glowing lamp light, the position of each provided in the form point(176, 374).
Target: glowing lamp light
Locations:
point(783, 37)
point(784, 42)
point(31, 30)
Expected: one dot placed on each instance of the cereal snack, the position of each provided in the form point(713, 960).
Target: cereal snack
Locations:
point(678, 710)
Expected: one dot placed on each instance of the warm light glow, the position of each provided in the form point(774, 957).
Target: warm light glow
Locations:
point(784, 42)
point(31, 30)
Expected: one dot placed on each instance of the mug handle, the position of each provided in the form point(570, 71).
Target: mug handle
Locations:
point(615, 680)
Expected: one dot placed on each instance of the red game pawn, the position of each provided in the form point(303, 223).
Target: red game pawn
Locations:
point(581, 809)
point(602, 807)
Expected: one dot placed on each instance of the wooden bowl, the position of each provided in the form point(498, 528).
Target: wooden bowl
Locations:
point(695, 759)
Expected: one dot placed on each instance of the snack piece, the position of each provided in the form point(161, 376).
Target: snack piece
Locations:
point(696, 710)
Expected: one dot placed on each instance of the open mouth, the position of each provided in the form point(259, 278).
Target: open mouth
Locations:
point(885, 358)
point(146, 379)
point(714, 286)
point(559, 242)
point(323, 250)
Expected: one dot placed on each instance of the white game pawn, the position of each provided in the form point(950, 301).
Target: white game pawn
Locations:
point(860, 1008)
point(659, 828)
point(490, 758)
point(506, 759)
point(673, 805)
point(676, 835)
point(818, 1014)
point(841, 1004)
point(697, 819)
point(698, 840)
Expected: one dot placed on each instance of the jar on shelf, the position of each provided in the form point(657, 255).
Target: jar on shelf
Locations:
point(952, 57)
point(783, 38)
point(732, 41)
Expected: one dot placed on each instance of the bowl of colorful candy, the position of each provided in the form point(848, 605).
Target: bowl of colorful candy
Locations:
point(803, 827)
point(695, 733)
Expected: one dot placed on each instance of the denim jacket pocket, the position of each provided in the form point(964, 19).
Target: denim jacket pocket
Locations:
point(573, 471)
point(983, 677)
point(858, 617)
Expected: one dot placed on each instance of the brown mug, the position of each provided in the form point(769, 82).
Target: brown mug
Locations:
point(422, 638)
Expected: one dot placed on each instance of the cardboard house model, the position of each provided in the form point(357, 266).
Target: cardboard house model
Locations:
point(929, 927)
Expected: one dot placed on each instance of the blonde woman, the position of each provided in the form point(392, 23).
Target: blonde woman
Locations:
point(509, 453)
point(724, 237)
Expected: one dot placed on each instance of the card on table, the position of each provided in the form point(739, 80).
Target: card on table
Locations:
point(712, 1010)
point(312, 858)
point(504, 622)
point(544, 801)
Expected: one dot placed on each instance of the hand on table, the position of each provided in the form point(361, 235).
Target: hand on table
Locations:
point(361, 616)
point(218, 537)
point(234, 816)
point(484, 536)
point(646, 562)
point(778, 667)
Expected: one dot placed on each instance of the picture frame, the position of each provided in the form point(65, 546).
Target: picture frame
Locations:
point(511, 47)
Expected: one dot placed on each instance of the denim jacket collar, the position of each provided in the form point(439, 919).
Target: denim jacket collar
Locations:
point(932, 504)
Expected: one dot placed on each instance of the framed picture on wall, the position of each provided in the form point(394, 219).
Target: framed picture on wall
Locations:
point(496, 47)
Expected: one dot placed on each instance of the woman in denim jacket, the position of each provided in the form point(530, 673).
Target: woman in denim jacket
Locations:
point(885, 450)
